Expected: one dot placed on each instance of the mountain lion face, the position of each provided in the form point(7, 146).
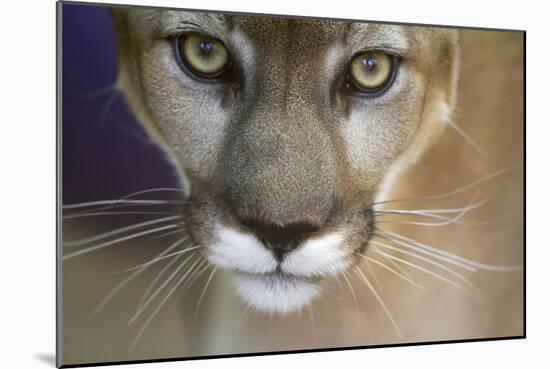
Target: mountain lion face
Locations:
point(285, 132)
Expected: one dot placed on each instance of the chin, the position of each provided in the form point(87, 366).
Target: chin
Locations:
point(276, 292)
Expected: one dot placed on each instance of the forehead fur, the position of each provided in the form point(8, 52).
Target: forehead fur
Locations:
point(162, 23)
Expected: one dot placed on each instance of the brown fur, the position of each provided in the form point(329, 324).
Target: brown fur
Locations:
point(285, 142)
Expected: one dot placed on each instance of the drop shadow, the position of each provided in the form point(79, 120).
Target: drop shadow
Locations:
point(46, 358)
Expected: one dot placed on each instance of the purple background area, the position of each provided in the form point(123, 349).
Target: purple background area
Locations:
point(106, 154)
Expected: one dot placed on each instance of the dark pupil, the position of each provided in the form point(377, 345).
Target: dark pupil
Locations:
point(206, 47)
point(370, 63)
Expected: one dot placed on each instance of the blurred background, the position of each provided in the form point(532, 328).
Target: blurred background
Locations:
point(106, 155)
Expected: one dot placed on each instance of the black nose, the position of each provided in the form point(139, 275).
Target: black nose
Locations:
point(281, 238)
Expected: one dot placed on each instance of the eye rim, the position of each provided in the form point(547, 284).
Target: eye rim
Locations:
point(355, 88)
point(219, 77)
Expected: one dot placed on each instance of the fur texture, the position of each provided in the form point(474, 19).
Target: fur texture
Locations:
point(284, 142)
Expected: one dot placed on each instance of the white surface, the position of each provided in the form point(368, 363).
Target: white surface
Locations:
point(27, 325)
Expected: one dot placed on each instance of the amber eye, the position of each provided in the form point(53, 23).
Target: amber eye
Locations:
point(372, 71)
point(204, 56)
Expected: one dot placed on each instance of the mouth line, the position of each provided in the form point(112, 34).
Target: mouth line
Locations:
point(280, 275)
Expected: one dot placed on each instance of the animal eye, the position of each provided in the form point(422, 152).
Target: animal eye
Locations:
point(204, 56)
point(371, 71)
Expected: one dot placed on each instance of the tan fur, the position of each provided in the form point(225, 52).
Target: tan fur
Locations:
point(284, 143)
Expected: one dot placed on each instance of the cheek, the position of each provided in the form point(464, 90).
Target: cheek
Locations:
point(376, 134)
point(189, 114)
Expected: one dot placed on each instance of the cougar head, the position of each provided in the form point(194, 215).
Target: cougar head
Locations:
point(284, 132)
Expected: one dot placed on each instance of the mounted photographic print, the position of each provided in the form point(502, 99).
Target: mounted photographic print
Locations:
point(241, 184)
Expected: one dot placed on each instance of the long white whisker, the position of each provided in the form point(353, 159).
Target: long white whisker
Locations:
point(433, 211)
point(373, 290)
point(380, 213)
point(469, 140)
point(115, 241)
point(203, 293)
point(340, 288)
point(116, 93)
point(377, 262)
point(432, 254)
point(160, 274)
point(461, 222)
point(156, 260)
point(195, 274)
point(460, 259)
point(244, 317)
point(328, 292)
point(103, 90)
point(313, 324)
point(453, 219)
point(429, 261)
point(157, 309)
point(438, 276)
point(130, 278)
point(455, 191)
point(371, 272)
point(158, 290)
point(114, 202)
point(399, 268)
point(108, 213)
point(346, 279)
point(143, 192)
point(169, 233)
point(118, 231)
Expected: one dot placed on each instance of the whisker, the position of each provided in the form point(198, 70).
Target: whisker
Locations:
point(380, 213)
point(203, 293)
point(346, 279)
point(157, 309)
point(119, 201)
point(95, 214)
point(125, 201)
point(164, 235)
point(115, 94)
point(115, 241)
point(399, 268)
point(329, 293)
point(450, 220)
point(493, 268)
point(156, 260)
point(438, 276)
point(469, 140)
point(118, 231)
point(429, 261)
point(244, 317)
point(312, 318)
point(159, 289)
point(143, 192)
point(430, 211)
point(193, 274)
point(371, 272)
point(130, 278)
point(199, 270)
point(340, 288)
point(377, 262)
point(380, 301)
point(455, 191)
point(432, 254)
point(157, 278)
point(103, 90)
